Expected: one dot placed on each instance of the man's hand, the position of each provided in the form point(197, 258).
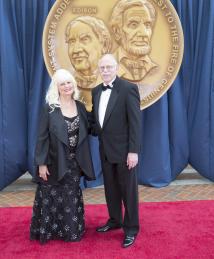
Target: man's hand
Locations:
point(43, 172)
point(132, 160)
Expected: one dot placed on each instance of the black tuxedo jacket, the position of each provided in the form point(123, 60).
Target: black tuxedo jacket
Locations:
point(121, 129)
point(52, 145)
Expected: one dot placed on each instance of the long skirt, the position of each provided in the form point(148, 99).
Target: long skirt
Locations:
point(58, 210)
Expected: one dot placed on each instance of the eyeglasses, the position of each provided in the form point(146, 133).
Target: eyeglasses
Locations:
point(102, 68)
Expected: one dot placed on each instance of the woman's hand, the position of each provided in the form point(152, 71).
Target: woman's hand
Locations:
point(43, 172)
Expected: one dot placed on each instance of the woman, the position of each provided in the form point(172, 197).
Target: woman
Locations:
point(62, 156)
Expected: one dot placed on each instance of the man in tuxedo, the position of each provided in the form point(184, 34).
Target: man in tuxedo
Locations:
point(117, 122)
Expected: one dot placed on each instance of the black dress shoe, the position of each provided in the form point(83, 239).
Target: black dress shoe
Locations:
point(106, 228)
point(128, 241)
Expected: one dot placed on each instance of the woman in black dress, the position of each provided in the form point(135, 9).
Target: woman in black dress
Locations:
point(62, 155)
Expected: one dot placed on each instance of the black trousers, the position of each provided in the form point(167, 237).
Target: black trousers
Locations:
point(121, 187)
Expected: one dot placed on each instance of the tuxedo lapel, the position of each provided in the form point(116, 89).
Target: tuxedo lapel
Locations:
point(58, 126)
point(96, 103)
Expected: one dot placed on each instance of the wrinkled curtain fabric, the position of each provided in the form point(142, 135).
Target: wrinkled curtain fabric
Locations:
point(23, 83)
point(177, 130)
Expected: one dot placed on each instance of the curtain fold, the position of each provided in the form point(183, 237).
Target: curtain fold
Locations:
point(24, 81)
point(197, 75)
point(177, 130)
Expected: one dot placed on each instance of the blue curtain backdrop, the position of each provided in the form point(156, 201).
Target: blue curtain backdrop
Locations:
point(177, 130)
point(23, 82)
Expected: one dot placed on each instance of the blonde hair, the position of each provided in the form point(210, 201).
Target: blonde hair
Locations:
point(60, 76)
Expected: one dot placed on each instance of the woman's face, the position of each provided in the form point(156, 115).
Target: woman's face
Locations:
point(65, 88)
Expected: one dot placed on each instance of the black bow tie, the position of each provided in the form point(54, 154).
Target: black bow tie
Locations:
point(105, 87)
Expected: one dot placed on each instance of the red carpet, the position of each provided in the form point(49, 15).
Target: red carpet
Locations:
point(170, 230)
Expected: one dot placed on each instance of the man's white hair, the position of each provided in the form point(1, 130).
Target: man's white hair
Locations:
point(109, 56)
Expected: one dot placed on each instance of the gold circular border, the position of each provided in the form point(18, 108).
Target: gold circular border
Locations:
point(156, 94)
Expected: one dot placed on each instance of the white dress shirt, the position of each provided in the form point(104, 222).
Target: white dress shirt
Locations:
point(104, 98)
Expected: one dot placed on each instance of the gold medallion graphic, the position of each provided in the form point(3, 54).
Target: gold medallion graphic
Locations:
point(145, 36)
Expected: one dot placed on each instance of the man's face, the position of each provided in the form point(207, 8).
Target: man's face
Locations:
point(136, 31)
point(84, 48)
point(108, 69)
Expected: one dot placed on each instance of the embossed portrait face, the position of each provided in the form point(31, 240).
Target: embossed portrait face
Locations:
point(136, 31)
point(84, 48)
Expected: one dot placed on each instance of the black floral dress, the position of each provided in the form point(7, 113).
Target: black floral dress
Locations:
point(58, 211)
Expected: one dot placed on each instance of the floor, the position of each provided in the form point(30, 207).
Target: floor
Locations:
point(189, 185)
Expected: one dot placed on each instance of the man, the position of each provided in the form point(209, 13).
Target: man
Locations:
point(132, 23)
point(117, 122)
point(88, 39)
